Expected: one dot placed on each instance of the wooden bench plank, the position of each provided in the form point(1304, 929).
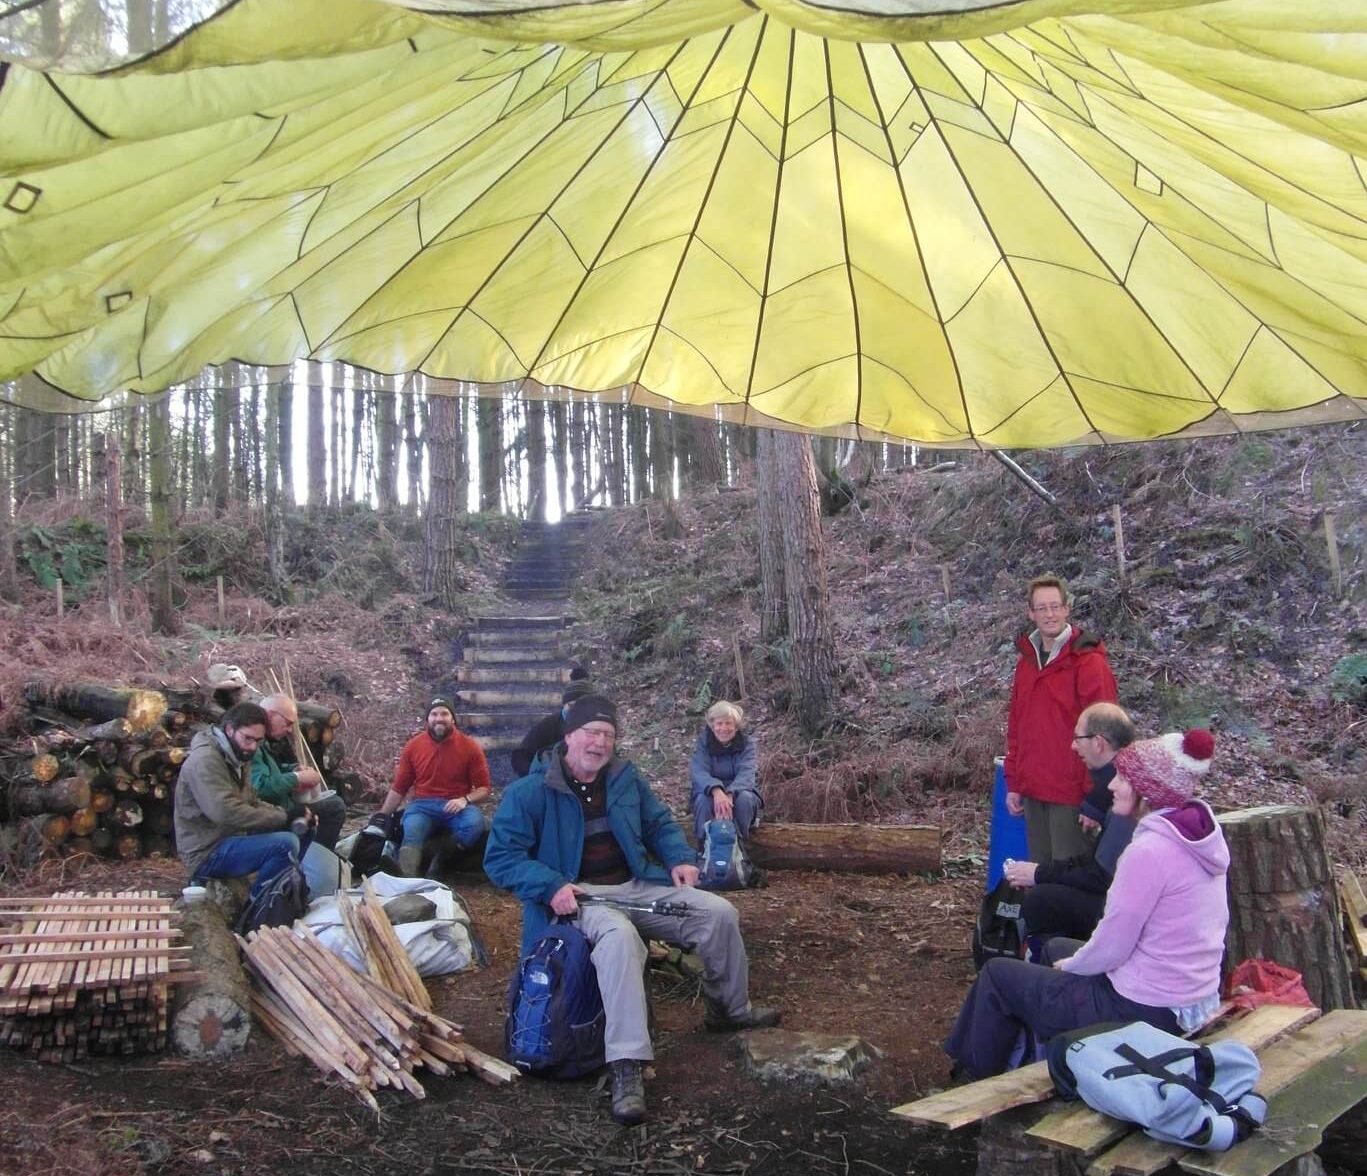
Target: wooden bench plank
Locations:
point(1139, 1155)
point(1355, 914)
point(1297, 1118)
point(1075, 1127)
point(961, 1105)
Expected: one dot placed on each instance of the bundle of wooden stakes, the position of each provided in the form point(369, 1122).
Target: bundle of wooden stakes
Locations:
point(372, 1029)
point(87, 974)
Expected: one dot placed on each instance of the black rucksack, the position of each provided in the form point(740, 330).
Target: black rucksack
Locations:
point(555, 1011)
point(282, 900)
point(1000, 929)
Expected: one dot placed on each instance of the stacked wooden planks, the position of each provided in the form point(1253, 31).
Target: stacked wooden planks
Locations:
point(87, 974)
point(351, 1025)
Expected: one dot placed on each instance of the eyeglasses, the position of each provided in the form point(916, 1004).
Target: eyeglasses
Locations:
point(1078, 738)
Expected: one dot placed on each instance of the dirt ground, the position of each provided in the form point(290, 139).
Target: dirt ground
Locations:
point(884, 958)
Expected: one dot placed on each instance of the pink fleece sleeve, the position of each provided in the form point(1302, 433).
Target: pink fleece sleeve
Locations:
point(1130, 901)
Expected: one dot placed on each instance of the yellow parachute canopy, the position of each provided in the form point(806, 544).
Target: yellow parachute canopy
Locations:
point(960, 222)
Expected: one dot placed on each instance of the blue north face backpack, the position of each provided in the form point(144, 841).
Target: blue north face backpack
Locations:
point(555, 1011)
point(1179, 1091)
point(723, 863)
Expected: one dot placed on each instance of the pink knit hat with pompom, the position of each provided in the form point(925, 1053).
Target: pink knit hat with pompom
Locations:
point(1166, 770)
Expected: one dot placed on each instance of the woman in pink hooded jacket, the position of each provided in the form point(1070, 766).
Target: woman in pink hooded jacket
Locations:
point(1155, 956)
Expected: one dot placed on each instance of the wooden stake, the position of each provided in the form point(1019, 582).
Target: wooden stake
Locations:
point(1119, 542)
point(61, 597)
point(222, 610)
point(1335, 570)
point(944, 579)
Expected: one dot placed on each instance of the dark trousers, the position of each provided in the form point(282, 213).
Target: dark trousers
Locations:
point(1053, 909)
point(1011, 995)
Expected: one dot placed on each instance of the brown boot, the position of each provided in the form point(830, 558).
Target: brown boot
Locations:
point(717, 1020)
point(628, 1092)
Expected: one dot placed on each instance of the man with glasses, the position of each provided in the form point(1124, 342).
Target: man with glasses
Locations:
point(279, 780)
point(223, 830)
point(1061, 672)
point(585, 822)
point(1066, 898)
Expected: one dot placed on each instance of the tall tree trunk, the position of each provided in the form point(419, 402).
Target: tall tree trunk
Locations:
point(223, 430)
point(62, 430)
point(804, 576)
point(338, 443)
point(139, 27)
point(164, 616)
point(317, 448)
point(661, 454)
point(108, 450)
point(489, 420)
point(511, 410)
point(706, 466)
point(241, 459)
point(639, 441)
point(274, 514)
point(386, 448)
point(538, 502)
point(578, 453)
point(256, 457)
point(462, 452)
point(560, 439)
point(134, 478)
point(773, 611)
point(283, 391)
point(614, 453)
point(441, 568)
point(415, 436)
point(359, 402)
point(9, 572)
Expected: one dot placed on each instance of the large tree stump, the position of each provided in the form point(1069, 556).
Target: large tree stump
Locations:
point(1282, 901)
point(212, 1018)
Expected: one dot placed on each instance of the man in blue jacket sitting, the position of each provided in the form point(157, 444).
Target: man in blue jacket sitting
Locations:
point(586, 822)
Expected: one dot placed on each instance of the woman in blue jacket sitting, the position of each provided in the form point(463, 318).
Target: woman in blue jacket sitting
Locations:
point(723, 772)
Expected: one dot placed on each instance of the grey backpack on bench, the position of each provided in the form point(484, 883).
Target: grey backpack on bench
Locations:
point(1179, 1091)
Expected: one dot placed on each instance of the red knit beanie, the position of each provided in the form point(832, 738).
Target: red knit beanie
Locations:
point(1166, 770)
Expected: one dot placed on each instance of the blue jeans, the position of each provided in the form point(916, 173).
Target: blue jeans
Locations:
point(746, 807)
point(233, 857)
point(421, 818)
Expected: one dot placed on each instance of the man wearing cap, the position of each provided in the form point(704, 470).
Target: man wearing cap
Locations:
point(279, 780)
point(547, 732)
point(222, 829)
point(585, 821)
point(448, 776)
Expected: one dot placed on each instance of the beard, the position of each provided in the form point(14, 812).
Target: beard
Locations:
point(438, 731)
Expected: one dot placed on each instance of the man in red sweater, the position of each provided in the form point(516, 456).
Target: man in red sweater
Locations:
point(1061, 672)
point(447, 774)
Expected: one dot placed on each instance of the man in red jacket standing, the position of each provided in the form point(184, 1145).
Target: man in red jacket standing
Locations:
point(1061, 672)
point(448, 775)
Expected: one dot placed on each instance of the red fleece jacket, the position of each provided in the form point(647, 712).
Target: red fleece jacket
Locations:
point(441, 771)
point(1045, 704)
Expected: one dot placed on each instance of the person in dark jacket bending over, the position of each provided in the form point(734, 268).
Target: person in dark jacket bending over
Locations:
point(1061, 672)
point(723, 772)
point(1067, 897)
point(545, 733)
point(586, 822)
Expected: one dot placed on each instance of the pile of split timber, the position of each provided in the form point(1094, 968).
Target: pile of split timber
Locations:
point(87, 974)
point(96, 770)
point(372, 1030)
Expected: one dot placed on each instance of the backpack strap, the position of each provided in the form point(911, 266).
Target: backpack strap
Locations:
point(1157, 1067)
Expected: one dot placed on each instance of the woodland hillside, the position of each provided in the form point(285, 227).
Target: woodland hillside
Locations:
point(1228, 615)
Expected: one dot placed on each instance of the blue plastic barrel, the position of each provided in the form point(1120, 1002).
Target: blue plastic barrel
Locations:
point(1007, 839)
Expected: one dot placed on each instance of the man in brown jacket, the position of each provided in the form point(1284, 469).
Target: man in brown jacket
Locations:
point(222, 829)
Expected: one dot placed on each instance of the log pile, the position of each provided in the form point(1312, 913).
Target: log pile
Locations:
point(96, 771)
point(87, 974)
point(349, 1024)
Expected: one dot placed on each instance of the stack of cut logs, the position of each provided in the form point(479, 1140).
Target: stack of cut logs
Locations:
point(87, 974)
point(371, 1029)
point(97, 774)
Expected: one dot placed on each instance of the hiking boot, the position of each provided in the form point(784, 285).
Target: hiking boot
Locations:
point(628, 1091)
point(717, 1020)
point(410, 860)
